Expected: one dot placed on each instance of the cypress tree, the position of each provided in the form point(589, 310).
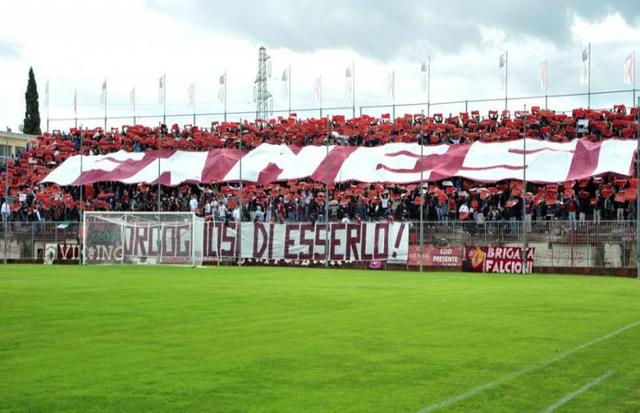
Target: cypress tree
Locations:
point(32, 113)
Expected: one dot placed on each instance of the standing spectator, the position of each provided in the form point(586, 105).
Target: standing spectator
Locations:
point(599, 207)
point(5, 211)
point(619, 202)
point(573, 208)
point(39, 219)
point(258, 215)
point(193, 204)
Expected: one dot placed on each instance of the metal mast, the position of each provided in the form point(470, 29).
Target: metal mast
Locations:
point(264, 102)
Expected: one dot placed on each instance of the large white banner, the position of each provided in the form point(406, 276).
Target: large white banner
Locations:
point(544, 162)
point(383, 241)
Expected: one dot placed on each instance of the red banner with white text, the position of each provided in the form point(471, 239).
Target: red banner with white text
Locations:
point(436, 256)
point(498, 260)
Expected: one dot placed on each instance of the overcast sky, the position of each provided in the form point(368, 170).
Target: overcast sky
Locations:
point(76, 44)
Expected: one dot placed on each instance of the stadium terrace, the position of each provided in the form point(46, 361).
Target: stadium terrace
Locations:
point(267, 198)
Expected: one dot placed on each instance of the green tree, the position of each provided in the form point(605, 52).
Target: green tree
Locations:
point(32, 114)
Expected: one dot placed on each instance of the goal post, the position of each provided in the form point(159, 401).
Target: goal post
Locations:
point(142, 238)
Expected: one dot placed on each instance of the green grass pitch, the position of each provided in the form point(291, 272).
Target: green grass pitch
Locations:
point(258, 339)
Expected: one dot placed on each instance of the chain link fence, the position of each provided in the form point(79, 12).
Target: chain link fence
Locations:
point(557, 244)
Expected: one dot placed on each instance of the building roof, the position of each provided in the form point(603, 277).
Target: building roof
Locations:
point(17, 136)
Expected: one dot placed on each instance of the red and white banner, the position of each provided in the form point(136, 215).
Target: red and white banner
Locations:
point(383, 241)
point(546, 162)
point(436, 256)
point(497, 259)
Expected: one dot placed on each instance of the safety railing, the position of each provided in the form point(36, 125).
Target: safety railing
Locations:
point(557, 244)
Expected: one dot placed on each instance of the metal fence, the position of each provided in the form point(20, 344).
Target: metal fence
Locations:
point(26, 241)
point(558, 244)
point(579, 245)
point(560, 102)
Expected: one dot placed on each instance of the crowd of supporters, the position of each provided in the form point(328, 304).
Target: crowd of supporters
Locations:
point(598, 198)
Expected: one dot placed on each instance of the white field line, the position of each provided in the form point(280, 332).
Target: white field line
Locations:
point(579, 391)
point(529, 369)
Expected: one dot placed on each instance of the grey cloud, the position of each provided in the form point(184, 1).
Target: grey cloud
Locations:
point(380, 29)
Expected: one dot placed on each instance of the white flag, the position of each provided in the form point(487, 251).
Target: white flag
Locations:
point(191, 95)
point(391, 87)
point(348, 85)
point(222, 81)
point(103, 93)
point(584, 70)
point(629, 69)
point(542, 75)
point(285, 83)
point(132, 99)
point(161, 90)
point(502, 68)
point(317, 89)
point(424, 69)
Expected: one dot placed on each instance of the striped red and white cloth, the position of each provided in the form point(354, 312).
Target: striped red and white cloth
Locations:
point(546, 162)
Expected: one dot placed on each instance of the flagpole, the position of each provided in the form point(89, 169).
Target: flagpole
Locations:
point(546, 83)
point(429, 87)
point(320, 96)
point(353, 89)
point(524, 194)
point(589, 81)
point(637, 217)
point(134, 105)
point(420, 205)
point(75, 107)
point(633, 75)
point(289, 79)
point(225, 95)
point(393, 94)
point(194, 103)
point(81, 186)
point(159, 187)
point(506, 80)
point(326, 206)
point(48, 97)
point(164, 103)
point(105, 105)
point(6, 194)
point(239, 224)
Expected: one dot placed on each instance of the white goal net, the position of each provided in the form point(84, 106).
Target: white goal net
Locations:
point(142, 238)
